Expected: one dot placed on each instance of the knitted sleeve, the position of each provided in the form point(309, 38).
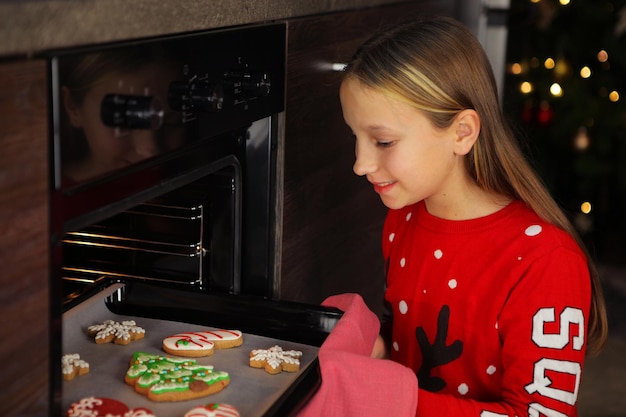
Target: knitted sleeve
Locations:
point(543, 334)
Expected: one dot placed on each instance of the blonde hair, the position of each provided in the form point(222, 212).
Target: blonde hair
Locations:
point(436, 65)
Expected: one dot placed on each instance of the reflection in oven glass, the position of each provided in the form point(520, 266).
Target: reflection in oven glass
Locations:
point(115, 110)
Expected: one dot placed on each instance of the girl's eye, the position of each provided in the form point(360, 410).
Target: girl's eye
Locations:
point(384, 144)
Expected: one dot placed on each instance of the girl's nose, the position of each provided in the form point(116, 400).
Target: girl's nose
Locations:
point(365, 162)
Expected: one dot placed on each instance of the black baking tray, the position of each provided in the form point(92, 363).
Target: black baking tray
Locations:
point(293, 322)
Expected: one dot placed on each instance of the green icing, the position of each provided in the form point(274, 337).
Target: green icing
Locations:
point(164, 374)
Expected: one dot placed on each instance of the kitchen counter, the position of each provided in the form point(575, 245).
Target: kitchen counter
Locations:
point(31, 26)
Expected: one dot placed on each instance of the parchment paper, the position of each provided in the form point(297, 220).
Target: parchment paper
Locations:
point(252, 391)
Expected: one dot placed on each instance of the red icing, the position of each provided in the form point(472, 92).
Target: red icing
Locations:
point(95, 407)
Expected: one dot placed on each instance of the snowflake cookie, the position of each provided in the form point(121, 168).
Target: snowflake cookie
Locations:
point(72, 365)
point(275, 360)
point(119, 333)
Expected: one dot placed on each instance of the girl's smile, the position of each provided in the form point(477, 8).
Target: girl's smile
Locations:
point(383, 187)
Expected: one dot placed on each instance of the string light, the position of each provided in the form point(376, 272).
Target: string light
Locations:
point(526, 87)
point(556, 90)
point(585, 72)
point(549, 63)
point(614, 96)
point(603, 56)
point(581, 140)
point(585, 207)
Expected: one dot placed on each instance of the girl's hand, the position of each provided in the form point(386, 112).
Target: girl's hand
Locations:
point(379, 351)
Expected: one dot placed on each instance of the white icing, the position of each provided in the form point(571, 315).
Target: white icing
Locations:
point(213, 410)
point(93, 407)
point(119, 330)
point(199, 340)
point(70, 362)
point(275, 356)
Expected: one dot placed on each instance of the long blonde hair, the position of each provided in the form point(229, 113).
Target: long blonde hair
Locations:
point(435, 64)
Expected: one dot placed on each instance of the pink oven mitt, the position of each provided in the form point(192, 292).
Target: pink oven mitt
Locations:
point(353, 383)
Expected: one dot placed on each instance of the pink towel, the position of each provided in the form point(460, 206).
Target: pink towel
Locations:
point(353, 383)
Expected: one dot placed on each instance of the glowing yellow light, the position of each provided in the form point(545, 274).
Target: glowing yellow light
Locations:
point(516, 68)
point(549, 63)
point(585, 72)
point(526, 87)
point(614, 96)
point(564, 2)
point(585, 207)
point(603, 56)
point(556, 90)
point(535, 1)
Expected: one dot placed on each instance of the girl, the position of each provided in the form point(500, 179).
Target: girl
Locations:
point(494, 300)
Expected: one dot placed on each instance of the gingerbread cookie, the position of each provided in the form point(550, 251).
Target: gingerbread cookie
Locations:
point(196, 344)
point(105, 407)
point(119, 333)
point(163, 378)
point(72, 366)
point(213, 410)
point(275, 360)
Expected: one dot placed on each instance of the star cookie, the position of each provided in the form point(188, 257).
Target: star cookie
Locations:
point(72, 366)
point(119, 333)
point(275, 360)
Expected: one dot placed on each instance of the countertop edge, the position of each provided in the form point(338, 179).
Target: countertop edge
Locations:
point(29, 27)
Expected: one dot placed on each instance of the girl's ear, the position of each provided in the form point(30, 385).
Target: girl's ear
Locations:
point(467, 129)
point(71, 108)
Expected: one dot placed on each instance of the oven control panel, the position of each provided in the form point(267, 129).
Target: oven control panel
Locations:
point(121, 105)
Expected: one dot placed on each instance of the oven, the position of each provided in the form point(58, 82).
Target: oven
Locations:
point(166, 210)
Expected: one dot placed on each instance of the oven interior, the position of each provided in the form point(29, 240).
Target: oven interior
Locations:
point(187, 236)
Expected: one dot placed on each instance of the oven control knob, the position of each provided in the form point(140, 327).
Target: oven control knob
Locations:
point(196, 96)
point(256, 84)
point(131, 112)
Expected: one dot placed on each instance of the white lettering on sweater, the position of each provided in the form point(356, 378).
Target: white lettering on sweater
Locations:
point(542, 383)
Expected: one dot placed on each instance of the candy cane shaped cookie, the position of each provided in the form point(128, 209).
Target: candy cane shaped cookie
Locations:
point(196, 344)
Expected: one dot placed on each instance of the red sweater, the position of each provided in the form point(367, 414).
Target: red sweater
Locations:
point(490, 313)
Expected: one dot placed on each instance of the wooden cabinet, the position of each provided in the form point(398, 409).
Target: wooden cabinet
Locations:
point(24, 211)
point(332, 219)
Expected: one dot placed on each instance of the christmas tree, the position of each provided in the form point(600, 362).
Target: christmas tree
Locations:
point(565, 94)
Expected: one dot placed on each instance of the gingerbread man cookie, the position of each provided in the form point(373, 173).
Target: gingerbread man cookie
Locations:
point(119, 333)
point(73, 365)
point(275, 360)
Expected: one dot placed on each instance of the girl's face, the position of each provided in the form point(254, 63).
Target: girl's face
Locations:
point(398, 149)
point(113, 148)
